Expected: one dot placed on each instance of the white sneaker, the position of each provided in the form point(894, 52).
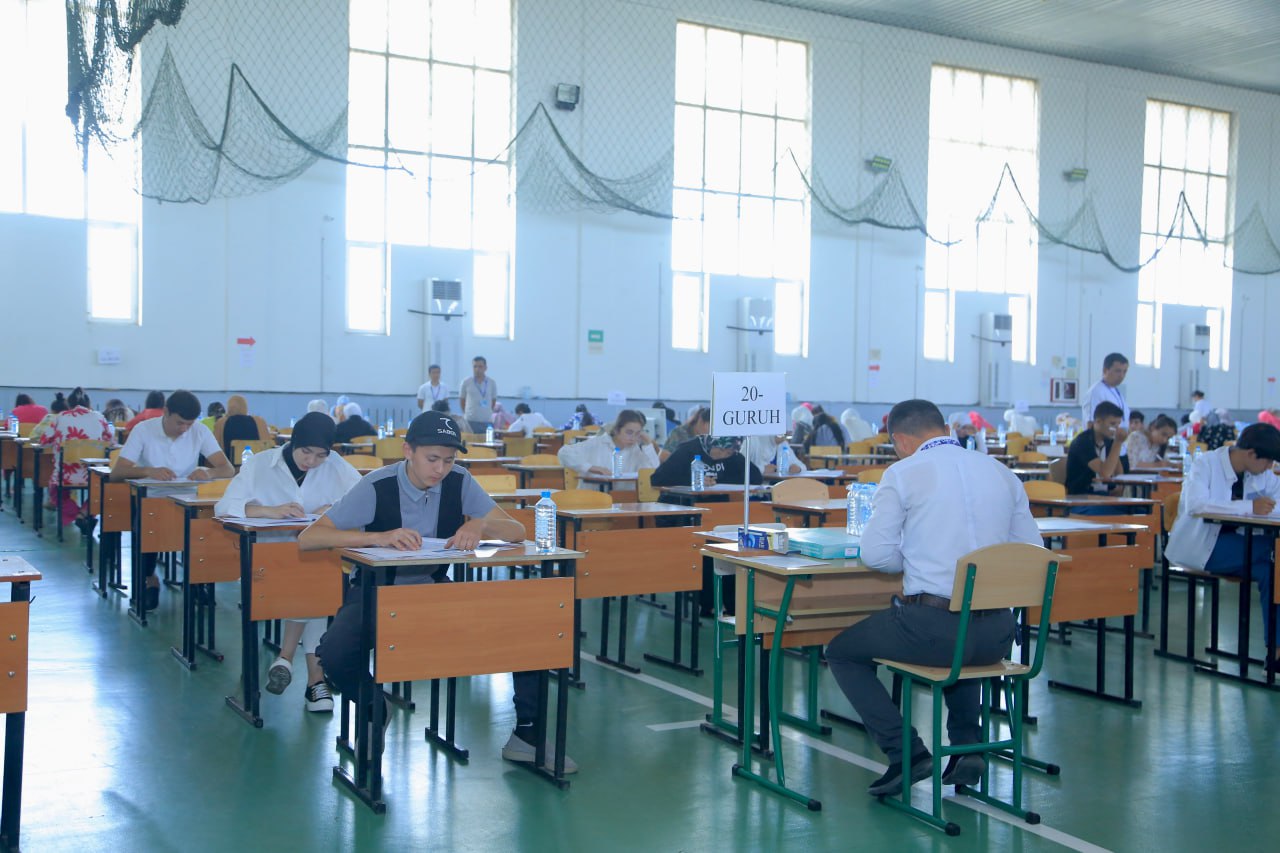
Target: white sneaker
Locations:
point(279, 676)
point(319, 700)
point(518, 749)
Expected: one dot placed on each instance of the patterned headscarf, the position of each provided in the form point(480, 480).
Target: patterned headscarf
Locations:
point(723, 442)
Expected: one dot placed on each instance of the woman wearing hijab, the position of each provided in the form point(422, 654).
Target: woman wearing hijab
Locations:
point(238, 425)
point(353, 424)
point(318, 406)
point(300, 478)
point(720, 454)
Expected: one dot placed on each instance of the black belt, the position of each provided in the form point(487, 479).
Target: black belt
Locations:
point(928, 599)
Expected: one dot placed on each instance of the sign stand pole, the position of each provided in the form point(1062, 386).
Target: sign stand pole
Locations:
point(746, 482)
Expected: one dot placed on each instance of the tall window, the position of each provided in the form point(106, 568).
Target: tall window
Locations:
point(430, 106)
point(1187, 153)
point(42, 170)
point(978, 123)
point(742, 110)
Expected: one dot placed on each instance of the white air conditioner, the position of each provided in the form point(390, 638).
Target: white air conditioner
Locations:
point(444, 313)
point(1193, 361)
point(995, 359)
point(755, 334)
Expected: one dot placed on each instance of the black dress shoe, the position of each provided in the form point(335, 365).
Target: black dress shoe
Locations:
point(86, 524)
point(891, 781)
point(151, 598)
point(964, 770)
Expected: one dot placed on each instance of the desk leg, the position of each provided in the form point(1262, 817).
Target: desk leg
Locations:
point(37, 498)
point(247, 707)
point(432, 732)
point(14, 741)
point(205, 610)
point(1100, 677)
point(569, 569)
point(716, 724)
point(17, 486)
point(809, 722)
point(370, 716)
point(674, 661)
point(603, 657)
point(186, 654)
point(137, 584)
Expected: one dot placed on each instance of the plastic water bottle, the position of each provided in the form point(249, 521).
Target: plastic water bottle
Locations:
point(1053, 437)
point(544, 523)
point(783, 459)
point(1186, 457)
point(851, 510)
point(697, 475)
point(866, 504)
point(382, 433)
point(13, 422)
point(970, 443)
point(8, 423)
point(1001, 435)
point(246, 455)
point(617, 462)
point(577, 420)
point(488, 434)
point(391, 426)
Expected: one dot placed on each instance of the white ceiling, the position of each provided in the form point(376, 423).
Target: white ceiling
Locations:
point(1234, 42)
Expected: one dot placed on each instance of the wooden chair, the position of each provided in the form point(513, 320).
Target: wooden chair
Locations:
point(474, 452)
point(545, 479)
point(571, 478)
point(862, 447)
point(1058, 471)
point(74, 451)
point(1015, 444)
point(572, 435)
point(112, 454)
point(646, 492)
point(1031, 456)
point(519, 446)
point(25, 430)
point(212, 488)
point(257, 446)
point(799, 489)
point(388, 449)
point(581, 499)
point(820, 450)
point(492, 483)
point(1044, 489)
point(545, 430)
point(872, 475)
point(1013, 575)
point(472, 437)
point(1191, 578)
point(364, 439)
point(364, 462)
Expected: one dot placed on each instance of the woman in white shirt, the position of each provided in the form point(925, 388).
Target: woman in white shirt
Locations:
point(300, 478)
point(1148, 446)
point(595, 455)
point(528, 420)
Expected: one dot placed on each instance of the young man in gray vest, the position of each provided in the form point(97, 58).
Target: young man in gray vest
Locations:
point(426, 495)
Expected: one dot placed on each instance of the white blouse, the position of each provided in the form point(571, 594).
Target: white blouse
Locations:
point(265, 480)
point(597, 451)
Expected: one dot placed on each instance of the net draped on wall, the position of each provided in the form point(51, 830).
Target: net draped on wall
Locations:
point(226, 106)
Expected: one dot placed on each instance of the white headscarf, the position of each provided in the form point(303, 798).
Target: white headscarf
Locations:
point(352, 410)
point(317, 406)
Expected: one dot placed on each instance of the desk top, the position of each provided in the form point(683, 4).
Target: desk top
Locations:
point(717, 489)
point(1064, 526)
point(507, 461)
point(609, 478)
point(517, 494)
point(1141, 479)
point(17, 570)
point(1228, 516)
point(766, 561)
point(858, 458)
point(192, 500)
point(528, 554)
point(632, 510)
point(255, 524)
point(1093, 500)
point(1038, 473)
point(813, 474)
point(829, 505)
point(516, 466)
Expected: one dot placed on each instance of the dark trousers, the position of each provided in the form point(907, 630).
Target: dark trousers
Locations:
point(1227, 559)
point(916, 633)
point(148, 564)
point(346, 660)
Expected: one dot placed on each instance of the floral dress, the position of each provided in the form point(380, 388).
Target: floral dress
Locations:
point(78, 422)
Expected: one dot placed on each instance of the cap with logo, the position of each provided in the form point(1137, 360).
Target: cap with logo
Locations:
point(435, 429)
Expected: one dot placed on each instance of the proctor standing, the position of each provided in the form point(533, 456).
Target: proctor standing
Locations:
point(477, 395)
point(1107, 389)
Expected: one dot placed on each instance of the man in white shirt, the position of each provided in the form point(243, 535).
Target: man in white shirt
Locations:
point(477, 395)
point(1107, 389)
point(528, 420)
point(1238, 478)
point(169, 448)
point(432, 391)
point(934, 506)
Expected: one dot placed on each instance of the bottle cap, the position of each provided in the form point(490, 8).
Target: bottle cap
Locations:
point(697, 459)
point(546, 493)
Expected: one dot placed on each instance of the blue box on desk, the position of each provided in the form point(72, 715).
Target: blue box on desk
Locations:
point(825, 543)
point(763, 540)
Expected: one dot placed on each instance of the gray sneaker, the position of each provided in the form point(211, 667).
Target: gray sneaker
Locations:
point(279, 676)
point(964, 770)
point(517, 749)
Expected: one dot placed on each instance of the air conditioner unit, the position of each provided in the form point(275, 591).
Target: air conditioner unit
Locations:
point(1193, 361)
point(444, 330)
point(755, 334)
point(995, 359)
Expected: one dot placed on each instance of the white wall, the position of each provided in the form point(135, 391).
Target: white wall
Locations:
point(271, 266)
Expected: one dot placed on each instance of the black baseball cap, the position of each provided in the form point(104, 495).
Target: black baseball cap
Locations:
point(435, 429)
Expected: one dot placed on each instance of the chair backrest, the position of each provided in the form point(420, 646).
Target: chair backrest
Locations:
point(519, 446)
point(1032, 456)
point(1013, 574)
point(24, 430)
point(472, 437)
point(474, 452)
point(572, 435)
point(492, 483)
point(540, 459)
point(581, 499)
point(541, 430)
point(364, 439)
point(863, 447)
point(75, 449)
point(799, 489)
point(113, 453)
point(363, 461)
point(1170, 512)
point(825, 450)
point(645, 489)
point(1058, 470)
point(1015, 443)
point(212, 488)
point(238, 445)
point(1044, 489)
point(389, 449)
point(871, 475)
point(239, 428)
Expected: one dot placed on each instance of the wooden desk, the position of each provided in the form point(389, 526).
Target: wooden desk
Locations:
point(808, 510)
point(635, 572)
point(8, 462)
point(208, 557)
point(155, 528)
point(1064, 506)
point(114, 504)
point(1250, 523)
point(15, 620)
point(477, 646)
point(608, 482)
point(326, 589)
point(711, 494)
point(530, 473)
point(520, 497)
point(34, 464)
point(835, 594)
point(826, 475)
point(1144, 484)
point(1025, 474)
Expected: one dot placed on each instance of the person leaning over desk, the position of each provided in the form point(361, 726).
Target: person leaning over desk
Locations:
point(932, 507)
point(1240, 479)
point(595, 455)
point(169, 448)
point(291, 481)
point(396, 506)
point(1095, 455)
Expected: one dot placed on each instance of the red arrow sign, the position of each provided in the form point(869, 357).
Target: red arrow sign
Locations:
point(248, 342)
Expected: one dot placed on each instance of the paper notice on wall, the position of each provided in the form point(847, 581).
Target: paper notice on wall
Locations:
point(245, 347)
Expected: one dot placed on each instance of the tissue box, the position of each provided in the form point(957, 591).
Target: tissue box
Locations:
point(763, 540)
point(825, 543)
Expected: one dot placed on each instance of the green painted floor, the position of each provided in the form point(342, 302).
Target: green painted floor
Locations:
point(127, 750)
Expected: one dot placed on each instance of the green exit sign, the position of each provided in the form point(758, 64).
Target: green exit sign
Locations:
point(595, 336)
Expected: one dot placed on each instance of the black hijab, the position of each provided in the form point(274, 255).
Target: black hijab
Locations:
point(314, 429)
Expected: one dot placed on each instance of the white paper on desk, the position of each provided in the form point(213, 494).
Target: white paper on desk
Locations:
point(176, 481)
point(498, 544)
point(1226, 510)
point(270, 522)
point(787, 562)
point(728, 487)
point(421, 553)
